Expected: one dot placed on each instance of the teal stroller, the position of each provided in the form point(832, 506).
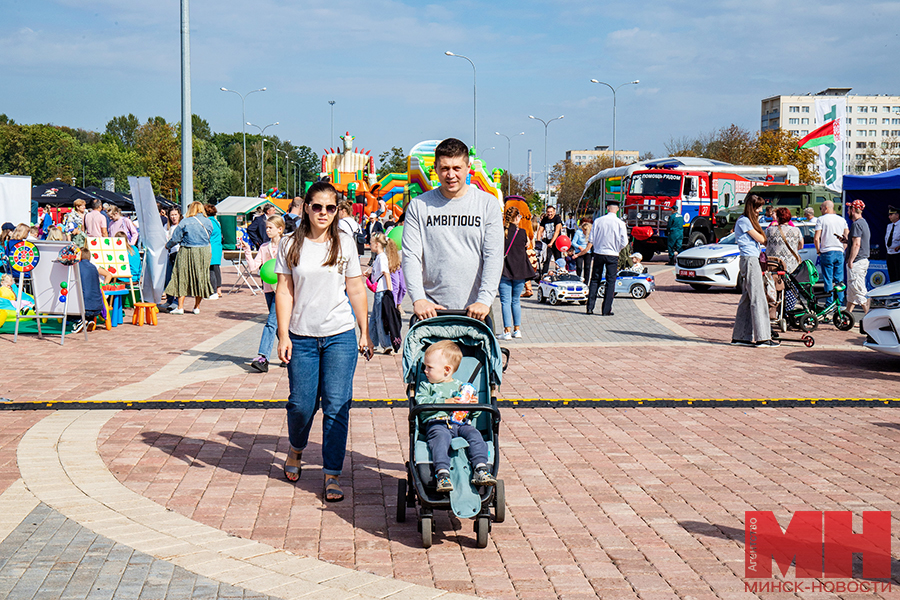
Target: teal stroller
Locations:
point(482, 365)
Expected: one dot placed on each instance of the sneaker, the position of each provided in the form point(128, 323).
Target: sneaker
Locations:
point(745, 343)
point(768, 344)
point(176, 311)
point(443, 482)
point(260, 364)
point(79, 325)
point(505, 336)
point(517, 333)
point(213, 297)
point(196, 311)
point(483, 477)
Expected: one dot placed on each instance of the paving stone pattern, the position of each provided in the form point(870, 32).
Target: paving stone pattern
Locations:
point(51, 557)
point(617, 503)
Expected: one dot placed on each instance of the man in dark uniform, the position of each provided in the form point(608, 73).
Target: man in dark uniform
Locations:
point(674, 235)
point(892, 244)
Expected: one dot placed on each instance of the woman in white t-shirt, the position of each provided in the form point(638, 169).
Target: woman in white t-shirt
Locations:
point(319, 279)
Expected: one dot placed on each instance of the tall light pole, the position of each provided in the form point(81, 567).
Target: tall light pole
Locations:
point(244, 127)
point(474, 98)
point(277, 151)
point(297, 182)
point(546, 169)
point(187, 136)
point(508, 155)
point(331, 140)
point(262, 153)
point(614, 89)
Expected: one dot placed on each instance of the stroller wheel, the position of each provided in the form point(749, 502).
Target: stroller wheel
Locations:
point(425, 524)
point(401, 501)
point(808, 341)
point(807, 322)
point(499, 501)
point(843, 321)
point(482, 528)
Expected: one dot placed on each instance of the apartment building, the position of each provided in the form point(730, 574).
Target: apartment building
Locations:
point(583, 157)
point(871, 126)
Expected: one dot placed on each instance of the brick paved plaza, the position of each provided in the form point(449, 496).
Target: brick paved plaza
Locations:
point(605, 499)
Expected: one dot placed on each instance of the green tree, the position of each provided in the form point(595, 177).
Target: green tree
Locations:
point(211, 173)
point(4, 120)
point(108, 159)
point(44, 152)
point(391, 161)
point(160, 154)
point(123, 130)
point(200, 128)
point(517, 186)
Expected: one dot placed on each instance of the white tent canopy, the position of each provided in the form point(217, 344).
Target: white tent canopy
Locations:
point(241, 205)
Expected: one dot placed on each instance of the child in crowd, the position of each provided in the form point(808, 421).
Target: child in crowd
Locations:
point(90, 288)
point(268, 251)
point(440, 362)
point(637, 267)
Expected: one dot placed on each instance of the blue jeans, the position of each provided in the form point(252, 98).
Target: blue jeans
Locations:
point(439, 436)
point(832, 263)
point(320, 373)
point(376, 323)
point(510, 294)
point(270, 331)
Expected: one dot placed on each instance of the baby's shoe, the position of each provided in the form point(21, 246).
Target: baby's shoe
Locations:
point(443, 482)
point(482, 476)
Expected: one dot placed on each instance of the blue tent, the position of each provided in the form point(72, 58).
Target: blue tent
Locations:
point(878, 192)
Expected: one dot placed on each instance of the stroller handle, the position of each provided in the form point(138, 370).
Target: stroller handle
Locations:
point(445, 312)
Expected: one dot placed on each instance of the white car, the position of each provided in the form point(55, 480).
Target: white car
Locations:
point(717, 265)
point(882, 323)
point(562, 287)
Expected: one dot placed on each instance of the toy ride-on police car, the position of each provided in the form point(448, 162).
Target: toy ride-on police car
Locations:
point(562, 287)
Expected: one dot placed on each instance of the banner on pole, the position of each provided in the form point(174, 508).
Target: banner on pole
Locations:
point(830, 159)
point(153, 237)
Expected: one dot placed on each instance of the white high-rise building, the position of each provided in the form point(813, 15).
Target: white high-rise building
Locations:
point(871, 126)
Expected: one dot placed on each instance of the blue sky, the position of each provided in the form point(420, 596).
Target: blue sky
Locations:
point(701, 64)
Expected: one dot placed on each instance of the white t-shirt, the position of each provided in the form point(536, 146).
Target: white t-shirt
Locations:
point(379, 268)
point(831, 225)
point(321, 307)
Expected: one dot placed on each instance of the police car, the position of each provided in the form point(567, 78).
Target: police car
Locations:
point(562, 287)
point(718, 265)
point(882, 323)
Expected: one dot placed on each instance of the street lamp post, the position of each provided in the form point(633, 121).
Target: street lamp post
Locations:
point(474, 97)
point(635, 82)
point(508, 159)
point(277, 151)
point(262, 154)
point(297, 182)
point(331, 140)
point(243, 127)
point(546, 169)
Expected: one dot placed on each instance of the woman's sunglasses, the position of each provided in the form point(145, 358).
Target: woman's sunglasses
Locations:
point(329, 208)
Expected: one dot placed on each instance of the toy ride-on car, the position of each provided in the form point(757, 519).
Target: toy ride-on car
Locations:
point(562, 287)
point(628, 282)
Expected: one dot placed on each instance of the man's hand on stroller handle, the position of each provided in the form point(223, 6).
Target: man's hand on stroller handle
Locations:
point(477, 310)
point(425, 309)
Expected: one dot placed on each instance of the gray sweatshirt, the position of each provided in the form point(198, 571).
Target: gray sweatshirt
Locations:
point(453, 249)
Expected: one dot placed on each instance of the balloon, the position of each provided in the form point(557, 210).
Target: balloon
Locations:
point(563, 243)
point(396, 234)
point(267, 272)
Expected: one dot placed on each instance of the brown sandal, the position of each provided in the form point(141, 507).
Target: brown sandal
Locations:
point(292, 472)
point(333, 491)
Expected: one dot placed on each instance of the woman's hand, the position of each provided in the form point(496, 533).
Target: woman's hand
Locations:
point(284, 349)
point(366, 346)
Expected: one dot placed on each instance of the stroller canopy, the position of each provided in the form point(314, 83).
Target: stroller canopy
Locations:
point(462, 330)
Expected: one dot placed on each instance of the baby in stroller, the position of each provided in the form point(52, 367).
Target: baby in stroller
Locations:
point(440, 362)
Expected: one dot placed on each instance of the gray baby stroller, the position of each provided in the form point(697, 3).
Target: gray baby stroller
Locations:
point(482, 365)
